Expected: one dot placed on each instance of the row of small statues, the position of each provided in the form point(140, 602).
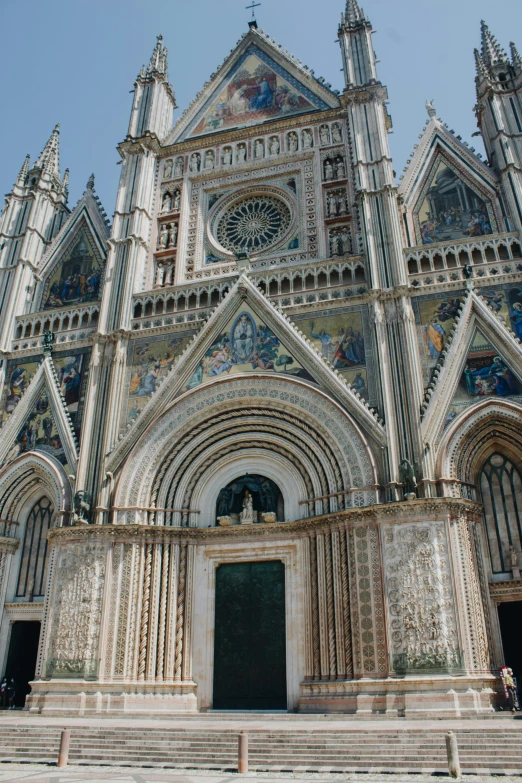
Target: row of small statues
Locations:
point(336, 203)
point(171, 202)
point(164, 275)
point(208, 158)
point(168, 236)
point(334, 168)
point(340, 242)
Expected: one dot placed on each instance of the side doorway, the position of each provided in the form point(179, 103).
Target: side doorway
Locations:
point(21, 657)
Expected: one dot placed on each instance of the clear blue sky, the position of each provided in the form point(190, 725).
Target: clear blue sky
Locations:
point(75, 62)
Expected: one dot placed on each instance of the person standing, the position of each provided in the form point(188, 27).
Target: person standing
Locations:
point(11, 693)
point(3, 693)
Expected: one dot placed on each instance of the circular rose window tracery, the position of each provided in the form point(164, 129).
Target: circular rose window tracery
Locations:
point(253, 224)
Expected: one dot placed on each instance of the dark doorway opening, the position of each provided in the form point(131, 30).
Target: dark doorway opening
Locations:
point(510, 617)
point(21, 658)
point(250, 638)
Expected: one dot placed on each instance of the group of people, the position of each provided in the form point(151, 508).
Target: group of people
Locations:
point(79, 287)
point(472, 224)
point(347, 350)
point(494, 378)
point(8, 693)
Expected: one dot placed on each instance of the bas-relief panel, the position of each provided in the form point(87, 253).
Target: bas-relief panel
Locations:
point(76, 279)
point(257, 90)
point(486, 374)
point(148, 361)
point(246, 345)
point(342, 337)
point(39, 430)
point(452, 210)
point(421, 617)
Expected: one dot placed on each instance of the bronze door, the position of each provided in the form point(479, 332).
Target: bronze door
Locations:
point(249, 647)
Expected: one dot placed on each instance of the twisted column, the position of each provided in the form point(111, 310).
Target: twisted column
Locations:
point(163, 612)
point(346, 604)
point(145, 613)
point(178, 654)
point(330, 606)
point(315, 610)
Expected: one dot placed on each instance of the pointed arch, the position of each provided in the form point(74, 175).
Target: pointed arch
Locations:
point(32, 474)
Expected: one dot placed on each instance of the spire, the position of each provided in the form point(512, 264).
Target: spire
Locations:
point(492, 52)
point(516, 57)
point(49, 159)
point(20, 180)
point(482, 71)
point(65, 183)
point(354, 13)
point(158, 61)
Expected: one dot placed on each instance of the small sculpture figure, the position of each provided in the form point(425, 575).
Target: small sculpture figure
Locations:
point(467, 271)
point(177, 201)
point(246, 517)
point(259, 149)
point(169, 271)
point(209, 159)
point(513, 556)
point(241, 153)
point(340, 170)
point(48, 340)
point(346, 242)
point(430, 108)
point(324, 134)
point(163, 240)
point(226, 157)
point(292, 142)
point(178, 169)
point(173, 235)
point(82, 507)
point(167, 169)
point(328, 169)
point(195, 161)
point(159, 275)
point(408, 478)
point(336, 133)
point(308, 139)
point(166, 204)
point(333, 245)
point(274, 145)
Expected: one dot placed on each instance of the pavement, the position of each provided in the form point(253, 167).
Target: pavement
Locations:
point(41, 773)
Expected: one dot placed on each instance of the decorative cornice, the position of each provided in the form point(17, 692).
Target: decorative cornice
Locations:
point(506, 590)
point(8, 546)
point(417, 510)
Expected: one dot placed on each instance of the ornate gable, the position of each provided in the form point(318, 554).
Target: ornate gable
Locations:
point(256, 83)
point(448, 192)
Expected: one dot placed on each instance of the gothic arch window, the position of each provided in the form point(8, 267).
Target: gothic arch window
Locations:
point(32, 576)
point(501, 489)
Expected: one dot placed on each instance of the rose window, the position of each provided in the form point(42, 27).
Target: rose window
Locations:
point(253, 224)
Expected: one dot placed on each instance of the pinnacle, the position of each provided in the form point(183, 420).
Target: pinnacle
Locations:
point(482, 71)
point(492, 52)
point(49, 159)
point(65, 183)
point(516, 57)
point(158, 60)
point(354, 13)
point(23, 171)
point(90, 183)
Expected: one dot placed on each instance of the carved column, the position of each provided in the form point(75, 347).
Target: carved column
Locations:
point(170, 642)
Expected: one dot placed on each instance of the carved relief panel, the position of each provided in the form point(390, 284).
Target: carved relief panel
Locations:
point(419, 594)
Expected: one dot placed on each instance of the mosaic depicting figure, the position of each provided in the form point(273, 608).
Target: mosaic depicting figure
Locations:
point(437, 317)
point(255, 92)
point(39, 433)
point(76, 279)
point(248, 345)
point(452, 210)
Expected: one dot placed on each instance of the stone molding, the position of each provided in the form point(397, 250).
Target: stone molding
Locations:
point(8, 546)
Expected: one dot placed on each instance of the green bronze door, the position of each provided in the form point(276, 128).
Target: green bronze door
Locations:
point(249, 647)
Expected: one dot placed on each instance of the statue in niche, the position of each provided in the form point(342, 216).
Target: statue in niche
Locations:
point(336, 133)
point(346, 242)
point(292, 142)
point(167, 169)
point(177, 201)
point(340, 170)
point(163, 240)
point(513, 556)
point(274, 145)
point(408, 479)
point(160, 272)
point(308, 139)
point(195, 161)
point(259, 149)
point(333, 245)
point(328, 169)
point(324, 134)
point(247, 515)
point(264, 494)
point(173, 235)
point(209, 159)
point(241, 153)
point(227, 156)
point(166, 204)
point(178, 169)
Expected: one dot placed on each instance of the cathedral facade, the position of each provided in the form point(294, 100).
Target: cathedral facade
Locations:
point(260, 436)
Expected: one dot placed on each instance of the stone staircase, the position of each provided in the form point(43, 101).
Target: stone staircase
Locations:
point(410, 750)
